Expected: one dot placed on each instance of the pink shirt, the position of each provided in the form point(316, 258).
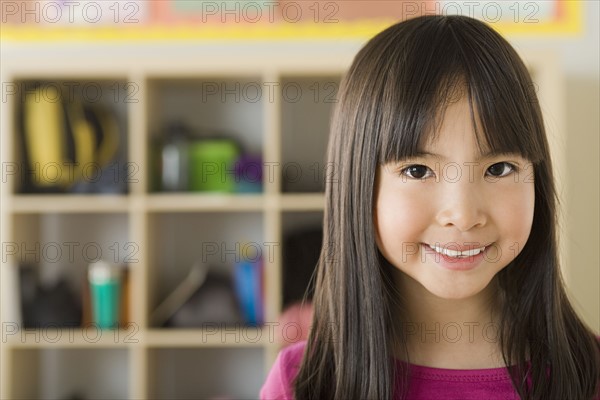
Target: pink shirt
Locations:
point(426, 383)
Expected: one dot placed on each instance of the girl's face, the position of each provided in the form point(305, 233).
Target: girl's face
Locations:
point(454, 199)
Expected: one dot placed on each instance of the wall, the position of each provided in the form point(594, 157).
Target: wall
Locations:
point(579, 57)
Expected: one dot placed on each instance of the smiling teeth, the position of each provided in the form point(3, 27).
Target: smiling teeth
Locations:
point(458, 254)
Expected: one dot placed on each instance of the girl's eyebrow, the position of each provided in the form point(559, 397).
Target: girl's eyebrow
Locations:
point(486, 155)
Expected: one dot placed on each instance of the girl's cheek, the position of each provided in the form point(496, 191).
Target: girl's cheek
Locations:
point(401, 217)
point(514, 208)
point(518, 197)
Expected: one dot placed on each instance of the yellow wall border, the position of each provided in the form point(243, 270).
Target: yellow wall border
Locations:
point(569, 25)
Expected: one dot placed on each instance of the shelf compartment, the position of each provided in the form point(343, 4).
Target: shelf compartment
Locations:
point(96, 110)
point(64, 374)
point(48, 255)
point(306, 106)
point(217, 107)
point(217, 240)
point(189, 373)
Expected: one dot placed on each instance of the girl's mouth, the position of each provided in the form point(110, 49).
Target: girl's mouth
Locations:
point(457, 260)
point(457, 253)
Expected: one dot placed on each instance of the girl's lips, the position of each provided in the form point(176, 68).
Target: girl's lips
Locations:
point(454, 246)
point(456, 263)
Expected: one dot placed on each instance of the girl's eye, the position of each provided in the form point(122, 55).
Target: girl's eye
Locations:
point(416, 171)
point(501, 169)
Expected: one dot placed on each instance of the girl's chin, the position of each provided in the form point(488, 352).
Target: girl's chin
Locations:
point(460, 290)
point(457, 290)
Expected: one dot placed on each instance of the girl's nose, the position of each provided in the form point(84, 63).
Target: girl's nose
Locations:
point(462, 206)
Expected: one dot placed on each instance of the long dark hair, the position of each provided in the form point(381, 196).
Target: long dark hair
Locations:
point(398, 84)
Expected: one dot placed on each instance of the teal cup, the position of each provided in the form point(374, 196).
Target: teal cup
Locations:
point(105, 291)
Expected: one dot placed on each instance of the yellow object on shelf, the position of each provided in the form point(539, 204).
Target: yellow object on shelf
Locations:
point(43, 125)
point(66, 142)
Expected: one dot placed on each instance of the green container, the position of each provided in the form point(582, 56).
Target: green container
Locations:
point(212, 164)
point(105, 290)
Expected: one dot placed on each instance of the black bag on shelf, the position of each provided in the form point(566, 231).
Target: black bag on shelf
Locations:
point(50, 307)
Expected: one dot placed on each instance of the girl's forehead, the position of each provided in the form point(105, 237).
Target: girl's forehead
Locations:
point(470, 140)
point(458, 120)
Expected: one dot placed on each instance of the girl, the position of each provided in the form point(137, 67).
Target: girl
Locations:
point(439, 276)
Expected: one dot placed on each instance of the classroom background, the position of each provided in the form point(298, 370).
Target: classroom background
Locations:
point(163, 167)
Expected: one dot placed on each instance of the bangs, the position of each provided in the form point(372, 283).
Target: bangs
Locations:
point(450, 61)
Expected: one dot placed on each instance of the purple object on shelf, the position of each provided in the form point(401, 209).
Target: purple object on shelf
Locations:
point(248, 174)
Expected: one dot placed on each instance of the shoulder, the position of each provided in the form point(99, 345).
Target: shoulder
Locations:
point(278, 384)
